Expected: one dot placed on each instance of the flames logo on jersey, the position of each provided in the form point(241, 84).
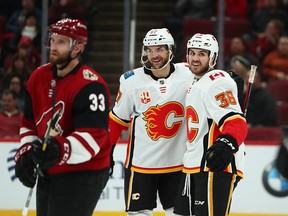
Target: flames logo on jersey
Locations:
point(164, 121)
point(54, 121)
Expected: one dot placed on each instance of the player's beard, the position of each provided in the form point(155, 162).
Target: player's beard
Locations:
point(56, 58)
point(201, 71)
point(158, 65)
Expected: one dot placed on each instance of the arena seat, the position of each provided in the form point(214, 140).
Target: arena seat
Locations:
point(282, 114)
point(236, 28)
point(264, 134)
point(278, 89)
point(193, 26)
point(2, 27)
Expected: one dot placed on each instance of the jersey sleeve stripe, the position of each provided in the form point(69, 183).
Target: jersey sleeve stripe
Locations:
point(28, 139)
point(88, 141)
point(83, 147)
point(24, 130)
point(235, 126)
point(118, 120)
point(229, 117)
point(27, 135)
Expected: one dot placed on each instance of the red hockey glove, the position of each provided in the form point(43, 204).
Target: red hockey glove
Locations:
point(50, 153)
point(220, 154)
point(25, 167)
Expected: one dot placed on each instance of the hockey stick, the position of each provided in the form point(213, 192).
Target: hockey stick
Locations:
point(37, 170)
point(249, 88)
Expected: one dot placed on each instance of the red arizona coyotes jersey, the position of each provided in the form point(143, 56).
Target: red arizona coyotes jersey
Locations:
point(154, 109)
point(212, 108)
point(76, 106)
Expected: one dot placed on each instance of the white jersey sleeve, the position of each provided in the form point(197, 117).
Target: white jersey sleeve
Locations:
point(124, 105)
point(221, 92)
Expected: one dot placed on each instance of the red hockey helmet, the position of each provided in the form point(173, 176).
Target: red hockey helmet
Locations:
point(72, 28)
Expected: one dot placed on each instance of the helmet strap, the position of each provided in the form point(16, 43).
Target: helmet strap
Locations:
point(144, 63)
point(73, 43)
point(66, 64)
point(212, 61)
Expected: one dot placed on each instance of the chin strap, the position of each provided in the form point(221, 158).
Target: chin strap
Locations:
point(66, 64)
point(148, 67)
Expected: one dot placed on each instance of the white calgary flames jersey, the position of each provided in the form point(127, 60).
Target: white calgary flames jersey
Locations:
point(155, 110)
point(211, 108)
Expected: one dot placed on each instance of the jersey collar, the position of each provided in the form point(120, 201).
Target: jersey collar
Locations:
point(149, 72)
point(73, 71)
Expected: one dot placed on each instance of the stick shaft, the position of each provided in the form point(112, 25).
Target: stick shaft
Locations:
point(37, 170)
point(26, 207)
point(249, 88)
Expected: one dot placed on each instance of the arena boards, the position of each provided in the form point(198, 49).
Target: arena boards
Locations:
point(260, 183)
point(33, 213)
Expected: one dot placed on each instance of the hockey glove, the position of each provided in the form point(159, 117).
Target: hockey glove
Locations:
point(220, 154)
point(50, 152)
point(25, 168)
point(240, 85)
point(282, 161)
point(112, 162)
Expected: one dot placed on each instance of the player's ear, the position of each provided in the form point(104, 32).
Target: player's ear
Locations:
point(80, 47)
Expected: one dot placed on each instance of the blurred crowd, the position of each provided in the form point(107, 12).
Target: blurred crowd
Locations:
point(265, 44)
point(21, 47)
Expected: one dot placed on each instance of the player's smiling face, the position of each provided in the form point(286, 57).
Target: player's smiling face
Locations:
point(198, 60)
point(158, 56)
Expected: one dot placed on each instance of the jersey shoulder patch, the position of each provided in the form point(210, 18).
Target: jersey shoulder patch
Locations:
point(128, 74)
point(216, 75)
point(213, 78)
point(89, 75)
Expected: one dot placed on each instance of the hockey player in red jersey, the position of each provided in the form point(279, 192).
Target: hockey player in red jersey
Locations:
point(64, 132)
point(151, 102)
point(216, 130)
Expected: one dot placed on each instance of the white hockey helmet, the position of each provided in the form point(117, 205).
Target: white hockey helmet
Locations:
point(156, 37)
point(206, 42)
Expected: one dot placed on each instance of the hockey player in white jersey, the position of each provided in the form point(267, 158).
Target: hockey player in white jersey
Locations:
point(216, 130)
point(151, 102)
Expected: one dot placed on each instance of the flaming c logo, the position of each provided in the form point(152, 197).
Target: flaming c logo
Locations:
point(164, 121)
